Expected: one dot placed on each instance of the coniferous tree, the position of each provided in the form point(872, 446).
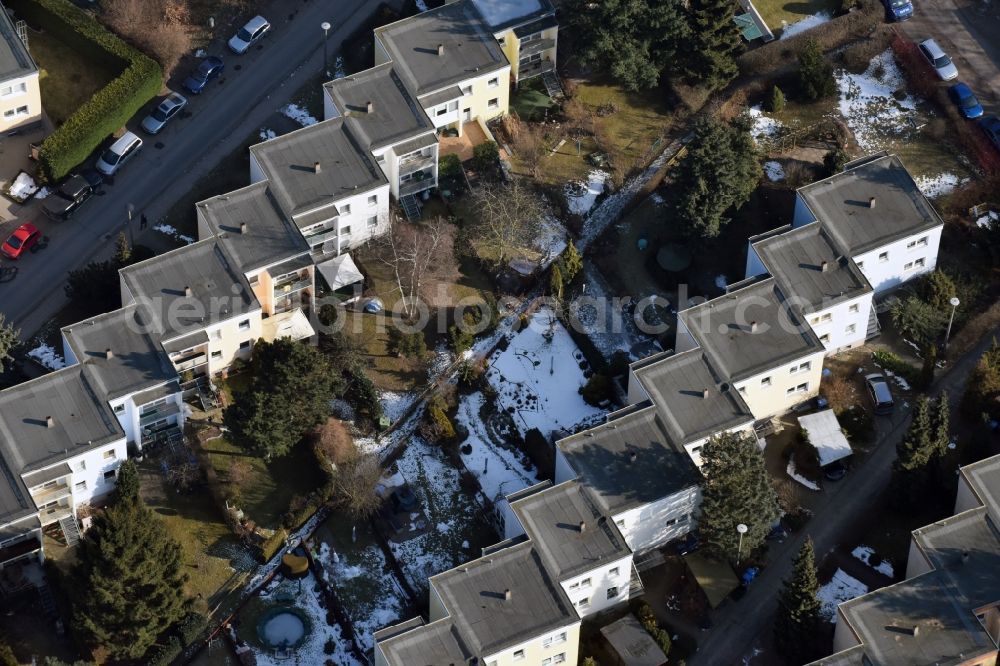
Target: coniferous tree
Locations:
point(982, 393)
point(942, 427)
point(556, 282)
point(911, 471)
point(123, 250)
point(127, 483)
point(714, 44)
point(7, 657)
point(719, 172)
point(129, 581)
point(10, 338)
point(570, 263)
point(776, 101)
point(736, 489)
point(798, 623)
point(815, 72)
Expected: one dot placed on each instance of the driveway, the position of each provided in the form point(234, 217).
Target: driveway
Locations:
point(739, 626)
point(254, 87)
point(969, 31)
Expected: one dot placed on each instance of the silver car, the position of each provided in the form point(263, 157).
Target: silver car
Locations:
point(939, 60)
point(162, 114)
point(880, 394)
point(248, 35)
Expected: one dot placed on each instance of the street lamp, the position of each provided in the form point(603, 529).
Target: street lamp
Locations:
point(954, 304)
point(326, 59)
point(742, 529)
point(130, 208)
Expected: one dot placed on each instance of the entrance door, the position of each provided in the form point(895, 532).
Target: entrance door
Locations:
point(466, 115)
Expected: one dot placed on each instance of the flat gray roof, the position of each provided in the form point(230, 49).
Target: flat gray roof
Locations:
point(219, 291)
point(288, 162)
point(415, 144)
point(269, 235)
point(984, 477)
point(552, 519)
point(473, 595)
point(810, 268)
point(965, 549)
point(15, 61)
point(693, 400)
point(418, 644)
point(602, 456)
point(441, 96)
point(137, 361)
point(469, 47)
point(501, 14)
point(81, 421)
point(724, 329)
point(396, 115)
point(841, 202)
point(632, 643)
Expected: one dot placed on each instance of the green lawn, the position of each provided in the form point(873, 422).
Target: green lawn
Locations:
point(530, 101)
point(67, 77)
point(774, 12)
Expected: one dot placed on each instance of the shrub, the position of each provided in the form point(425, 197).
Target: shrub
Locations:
point(190, 626)
point(485, 156)
point(889, 361)
point(459, 339)
point(410, 345)
point(815, 73)
point(162, 655)
point(597, 390)
point(328, 314)
point(540, 452)
point(110, 107)
point(449, 166)
point(441, 426)
point(776, 100)
point(834, 161)
point(470, 375)
point(272, 544)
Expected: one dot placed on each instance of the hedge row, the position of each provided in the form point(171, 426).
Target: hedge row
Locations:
point(112, 106)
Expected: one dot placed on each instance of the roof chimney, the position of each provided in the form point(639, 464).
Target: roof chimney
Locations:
point(871, 202)
point(916, 630)
point(50, 422)
point(187, 292)
point(108, 354)
point(632, 456)
point(704, 393)
point(243, 227)
point(965, 557)
point(583, 526)
point(824, 266)
point(370, 106)
point(316, 167)
point(440, 49)
point(753, 327)
point(506, 594)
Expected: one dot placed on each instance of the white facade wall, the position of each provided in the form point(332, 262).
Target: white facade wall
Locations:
point(445, 114)
point(684, 341)
point(966, 498)
point(694, 448)
point(916, 563)
point(843, 325)
point(21, 105)
point(657, 523)
point(564, 471)
point(129, 414)
point(600, 588)
point(803, 215)
point(844, 637)
point(559, 644)
point(755, 266)
point(226, 337)
point(891, 265)
point(89, 469)
point(767, 394)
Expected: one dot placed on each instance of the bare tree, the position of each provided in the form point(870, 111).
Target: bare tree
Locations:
point(509, 218)
point(529, 145)
point(354, 486)
point(240, 473)
point(335, 442)
point(159, 27)
point(417, 253)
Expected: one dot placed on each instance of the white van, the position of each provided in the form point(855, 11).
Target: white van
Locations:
point(118, 154)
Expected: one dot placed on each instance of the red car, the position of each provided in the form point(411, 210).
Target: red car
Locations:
point(23, 238)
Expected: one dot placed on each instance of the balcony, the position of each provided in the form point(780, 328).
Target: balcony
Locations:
point(416, 186)
point(535, 46)
point(291, 286)
point(190, 362)
point(412, 163)
point(323, 236)
point(158, 414)
point(54, 514)
point(44, 496)
point(537, 68)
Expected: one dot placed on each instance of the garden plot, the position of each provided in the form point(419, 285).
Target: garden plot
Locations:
point(500, 468)
point(874, 104)
point(764, 128)
point(581, 197)
point(605, 321)
point(538, 375)
point(842, 587)
point(365, 586)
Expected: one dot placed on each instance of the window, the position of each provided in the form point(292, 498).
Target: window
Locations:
point(502, 41)
point(216, 355)
point(826, 317)
point(453, 106)
point(919, 263)
point(494, 82)
point(81, 466)
point(574, 586)
point(861, 265)
point(9, 113)
point(373, 200)
point(854, 308)
point(850, 329)
point(766, 381)
point(825, 338)
point(467, 90)
point(518, 655)
point(440, 112)
point(559, 658)
point(345, 231)
point(801, 388)
point(119, 409)
point(883, 257)
point(920, 242)
point(345, 209)
point(583, 604)
point(373, 221)
point(80, 487)
point(493, 103)
point(555, 639)
point(110, 475)
point(672, 521)
point(620, 523)
point(585, 582)
point(613, 572)
point(742, 390)
point(110, 454)
point(245, 325)
point(801, 367)
point(10, 91)
point(245, 344)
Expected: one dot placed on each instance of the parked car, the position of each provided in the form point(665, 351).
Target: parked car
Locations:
point(835, 471)
point(685, 545)
point(208, 69)
point(23, 238)
point(61, 204)
point(898, 10)
point(991, 125)
point(965, 100)
point(120, 152)
point(939, 60)
point(881, 395)
point(249, 35)
point(162, 114)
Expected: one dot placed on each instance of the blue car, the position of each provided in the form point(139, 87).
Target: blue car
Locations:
point(210, 68)
point(991, 125)
point(965, 100)
point(898, 10)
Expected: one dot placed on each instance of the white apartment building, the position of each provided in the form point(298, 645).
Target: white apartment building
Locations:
point(527, 32)
point(20, 95)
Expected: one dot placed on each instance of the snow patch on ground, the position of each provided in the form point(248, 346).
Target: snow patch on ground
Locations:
point(602, 318)
point(43, 193)
point(842, 587)
point(792, 472)
point(538, 375)
point(580, 197)
point(338, 66)
point(298, 114)
point(498, 12)
point(809, 22)
point(986, 221)
point(774, 171)
point(23, 186)
point(720, 282)
point(168, 230)
point(657, 198)
point(395, 403)
point(868, 105)
point(551, 241)
point(267, 134)
point(935, 186)
point(421, 6)
point(47, 356)
point(864, 553)
point(764, 127)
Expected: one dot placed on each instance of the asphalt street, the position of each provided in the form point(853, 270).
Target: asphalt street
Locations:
point(221, 118)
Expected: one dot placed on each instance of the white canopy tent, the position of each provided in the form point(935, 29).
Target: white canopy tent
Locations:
point(825, 434)
point(340, 272)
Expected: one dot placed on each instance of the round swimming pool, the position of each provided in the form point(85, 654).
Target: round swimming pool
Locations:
point(283, 627)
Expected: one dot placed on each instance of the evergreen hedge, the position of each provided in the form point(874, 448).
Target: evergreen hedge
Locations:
point(110, 107)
